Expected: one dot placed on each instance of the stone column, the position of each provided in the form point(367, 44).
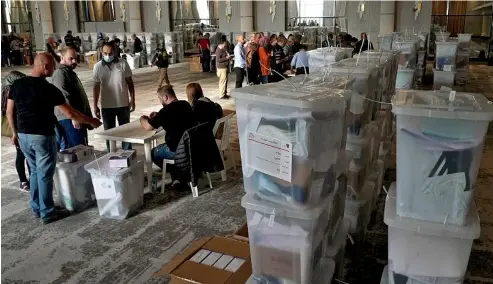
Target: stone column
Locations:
point(46, 20)
point(387, 14)
point(135, 23)
point(246, 16)
point(485, 25)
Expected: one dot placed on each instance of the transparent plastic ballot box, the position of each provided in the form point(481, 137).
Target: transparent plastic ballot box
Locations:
point(361, 145)
point(442, 36)
point(358, 210)
point(311, 82)
point(285, 244)
point(397, 278)
point(464, 42)
point(409, 53)
point(74, 186)
point(426, 248)
point(286, 155)
point(445, 55)
point(336, 249)
point(443, 78)
point(119, 191)
point(462, 60)
point(364, 91)
point(405, 78)
point(319, 59)
point(385, 42)
point(385, 68)
point(440, 138)
point(393, 56)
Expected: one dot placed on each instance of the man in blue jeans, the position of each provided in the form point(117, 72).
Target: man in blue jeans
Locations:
point(113, 83)
point(30, 114)
point(175, 117)
point(66, 80)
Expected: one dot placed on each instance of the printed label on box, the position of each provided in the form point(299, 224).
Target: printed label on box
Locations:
point(270, 156)
point(447, 68)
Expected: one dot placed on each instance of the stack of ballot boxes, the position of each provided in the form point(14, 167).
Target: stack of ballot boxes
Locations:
point(445, 63)
point(422, 55)
point(430, 211)
point(408, 59)
point(292, 142)
point(462, 61)
point(74, 190)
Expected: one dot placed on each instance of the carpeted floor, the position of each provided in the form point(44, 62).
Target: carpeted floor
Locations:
point(87, 249)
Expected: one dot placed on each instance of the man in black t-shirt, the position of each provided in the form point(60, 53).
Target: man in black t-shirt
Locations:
point(175, 117)
point(30, 112)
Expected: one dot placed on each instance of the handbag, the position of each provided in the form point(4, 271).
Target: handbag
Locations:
point(6, 130)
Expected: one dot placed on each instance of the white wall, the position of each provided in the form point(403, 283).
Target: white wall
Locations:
point(263, 19)
point(369, 22)
point(234, 24)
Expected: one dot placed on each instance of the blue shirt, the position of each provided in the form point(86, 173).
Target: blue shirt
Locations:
point(240, 60)
point(300, 59)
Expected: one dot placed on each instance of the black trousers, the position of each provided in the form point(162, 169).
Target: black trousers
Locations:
point(20, 165)
point(240, 76)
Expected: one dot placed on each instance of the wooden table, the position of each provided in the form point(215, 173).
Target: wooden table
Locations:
point(133, 133)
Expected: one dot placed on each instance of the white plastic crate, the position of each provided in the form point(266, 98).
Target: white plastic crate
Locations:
point(358, 210)
point(405, 78)
point(74, 186)
point(272, 121)
point(443, 78)
point(365, 86)
point(396, 278)
point(361, 146)
point(284, 243)
point(464, 42)
point(439, 150)
point(445, 55)
point(119, 192)
point(133, 60)
point(427, 248)
point(336, 249)
point(442, 36)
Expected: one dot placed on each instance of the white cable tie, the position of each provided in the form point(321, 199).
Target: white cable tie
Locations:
point(350, 238)
point(340, 281)
point(445, 221)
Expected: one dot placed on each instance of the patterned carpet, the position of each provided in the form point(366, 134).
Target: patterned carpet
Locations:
point(87, 249)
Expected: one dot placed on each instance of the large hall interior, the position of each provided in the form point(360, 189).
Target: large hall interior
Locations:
point(231, 142)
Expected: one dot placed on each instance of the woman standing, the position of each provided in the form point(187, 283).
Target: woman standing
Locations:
point(20, 159)
point(253, 64)
point(264, 60)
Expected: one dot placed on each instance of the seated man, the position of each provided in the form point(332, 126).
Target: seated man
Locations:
point(175, 117)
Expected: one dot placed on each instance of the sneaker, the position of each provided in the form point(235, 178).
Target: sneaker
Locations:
point(55, 215)
point(225, 97)
point(24, 186)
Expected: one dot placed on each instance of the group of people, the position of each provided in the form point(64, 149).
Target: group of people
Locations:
point(45, 117)
point(348, 41)
point(260, 60)
point(54, 47)
point(15, 50)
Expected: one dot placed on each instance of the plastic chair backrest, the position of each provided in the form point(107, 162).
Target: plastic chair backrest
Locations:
point(225, 123)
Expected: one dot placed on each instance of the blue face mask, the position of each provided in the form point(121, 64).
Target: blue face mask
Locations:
point(108, 58)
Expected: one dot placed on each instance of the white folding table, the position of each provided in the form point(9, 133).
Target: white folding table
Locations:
point(133, 133)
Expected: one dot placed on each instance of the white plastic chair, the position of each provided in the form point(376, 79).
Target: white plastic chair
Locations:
point(223, 143)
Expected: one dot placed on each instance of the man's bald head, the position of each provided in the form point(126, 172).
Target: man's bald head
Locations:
point(44, 65)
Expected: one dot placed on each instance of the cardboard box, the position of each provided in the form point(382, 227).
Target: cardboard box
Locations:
point(123, 159)
point(195, 67)
point(241, 233)
point(183, 270)
point(74, 154)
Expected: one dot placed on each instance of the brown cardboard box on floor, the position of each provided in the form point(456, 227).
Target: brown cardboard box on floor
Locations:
point(241, 233)
point(183, 270)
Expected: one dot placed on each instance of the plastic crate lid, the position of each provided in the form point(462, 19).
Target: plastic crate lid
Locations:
point(449, 42)
point(316, 98)
point(333, 81)
point(470, 231)
point(436, 104)
point(252, 201)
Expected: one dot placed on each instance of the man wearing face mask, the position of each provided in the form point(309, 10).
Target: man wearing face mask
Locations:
point(113, 83)
point(30, 114)
point(66, 80)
